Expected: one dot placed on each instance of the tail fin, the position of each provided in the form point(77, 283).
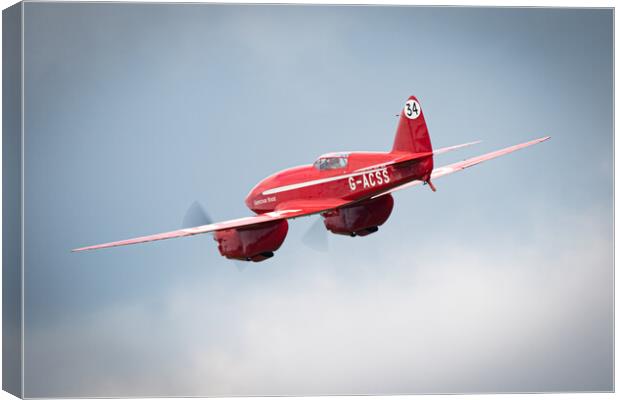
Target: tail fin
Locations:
point(412, 133)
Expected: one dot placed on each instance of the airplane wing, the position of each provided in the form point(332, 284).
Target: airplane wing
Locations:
point(461, 165)
point(285, 211)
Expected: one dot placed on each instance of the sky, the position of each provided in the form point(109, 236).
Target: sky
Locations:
point(501, 281)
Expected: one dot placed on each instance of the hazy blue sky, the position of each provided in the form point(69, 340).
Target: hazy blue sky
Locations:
point(500, 281)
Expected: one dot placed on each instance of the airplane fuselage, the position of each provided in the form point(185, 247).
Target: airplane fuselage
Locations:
point(365, 175)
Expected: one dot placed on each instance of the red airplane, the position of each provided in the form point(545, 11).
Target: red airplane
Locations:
point(350, 190)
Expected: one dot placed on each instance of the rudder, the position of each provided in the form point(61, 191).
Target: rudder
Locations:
point(412, 134)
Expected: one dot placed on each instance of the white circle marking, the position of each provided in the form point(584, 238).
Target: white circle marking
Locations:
point(412, 109)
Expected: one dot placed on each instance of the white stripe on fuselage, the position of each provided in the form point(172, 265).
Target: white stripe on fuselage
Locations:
point(319, 181)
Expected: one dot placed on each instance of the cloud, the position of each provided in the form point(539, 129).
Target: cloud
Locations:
point(498, 316)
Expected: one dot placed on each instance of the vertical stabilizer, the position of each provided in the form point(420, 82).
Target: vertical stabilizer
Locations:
point(412, 133)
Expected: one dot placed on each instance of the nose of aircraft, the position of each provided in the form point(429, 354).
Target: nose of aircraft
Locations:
point(255, 194)
point(250, 197)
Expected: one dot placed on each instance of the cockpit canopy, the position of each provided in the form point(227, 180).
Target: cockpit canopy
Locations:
point(331, 161)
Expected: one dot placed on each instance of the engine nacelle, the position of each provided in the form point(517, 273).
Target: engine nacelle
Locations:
point(360, 219)
point(256, 243)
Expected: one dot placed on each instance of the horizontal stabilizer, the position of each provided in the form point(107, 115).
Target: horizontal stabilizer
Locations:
point(406, 157)
point(458, 146)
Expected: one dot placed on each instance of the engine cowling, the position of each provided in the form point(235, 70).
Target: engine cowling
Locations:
point(360, 219)
point(256, 243)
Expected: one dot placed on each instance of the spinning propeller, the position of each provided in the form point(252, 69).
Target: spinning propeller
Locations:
point(316, 237)
point(196, 215)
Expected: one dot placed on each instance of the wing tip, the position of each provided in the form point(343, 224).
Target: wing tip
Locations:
point(80, 249)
